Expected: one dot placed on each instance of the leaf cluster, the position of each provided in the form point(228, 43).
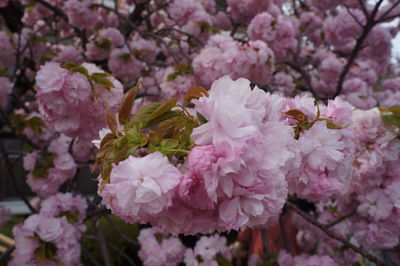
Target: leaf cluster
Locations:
point(46, 251)
point(303, 124)
point(391, 115)
point(99, 78)
point(180, 70)
point(160, 126)
point(43, 164)
point(22, 121)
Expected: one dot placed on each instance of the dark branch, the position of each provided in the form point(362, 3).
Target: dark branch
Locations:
point(333, 235)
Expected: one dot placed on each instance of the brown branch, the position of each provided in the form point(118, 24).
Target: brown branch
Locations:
point(14, 179)
point(264, 238)
point(357, 48)
point(333, 235)
point(363, 8)
point(304, 75)
point(59, 12)
point(103, 246)
point(344, 217)
point(387, 12)
point(142, 33)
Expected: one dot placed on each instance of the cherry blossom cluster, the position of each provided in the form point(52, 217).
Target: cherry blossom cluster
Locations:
point(51, 237)
point(239, 175)
point(222, 54)
point(285, 259)
point(222, 185)
point(252, 149)
point(170, 250)
point(242, 108)
point(209, 250)
point(51, 168)
point(371, 198)
point(73, 98)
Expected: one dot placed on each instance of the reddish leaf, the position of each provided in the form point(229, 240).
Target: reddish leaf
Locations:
point(195, 93)
point(111, 121)
point(297, 114)
point(127, 104)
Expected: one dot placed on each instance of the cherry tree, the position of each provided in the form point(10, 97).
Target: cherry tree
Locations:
point(203, 122)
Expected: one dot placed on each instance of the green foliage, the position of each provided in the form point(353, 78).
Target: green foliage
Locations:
point(124, 57)
point(180, 70)
point(160, 126)
point(222, 261)
point(303, 124)
point(45, 252)
point(103, 44)
point(391, 115)
point(102, 80)
point(72, 216)
point(205, 27)
point(71, 67)
point(22, 121)
point(4, 73)
point(43, 164)
point(99, 78)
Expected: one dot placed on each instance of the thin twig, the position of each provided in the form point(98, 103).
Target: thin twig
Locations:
point(90, 256)
point(357, 48)
point(6, 254)
point(333, 235)
point(116, 229)
point(340, 219)
point(103, 246)
point(283, 233)
point(14, 179)
point(264, 237)
point(387, 12)
point(304, 75)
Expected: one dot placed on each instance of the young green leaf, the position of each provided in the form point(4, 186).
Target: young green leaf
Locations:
point(102, 80)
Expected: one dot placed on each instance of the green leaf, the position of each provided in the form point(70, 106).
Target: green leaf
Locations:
point(201, 118)
point(75, 68)
point(195, 93)
point(169, 143)
point(140, 52)
point(19, 122)
point(205, 27)
point(391, 119)
point(102, 80)
point(395, 110)
point(72, 216)
point(144, 112)
point(124, 57)
point(222, 261)
point(180, 70)
point(4, 73)
point(43, 164)
point(154, 138)
point(46, 251)
point(104, 44)
point(164, 107)
point(165, 116)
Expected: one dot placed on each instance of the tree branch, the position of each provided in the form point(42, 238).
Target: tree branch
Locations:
point(333, 235)
point(357, 48)
point(14, 179)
